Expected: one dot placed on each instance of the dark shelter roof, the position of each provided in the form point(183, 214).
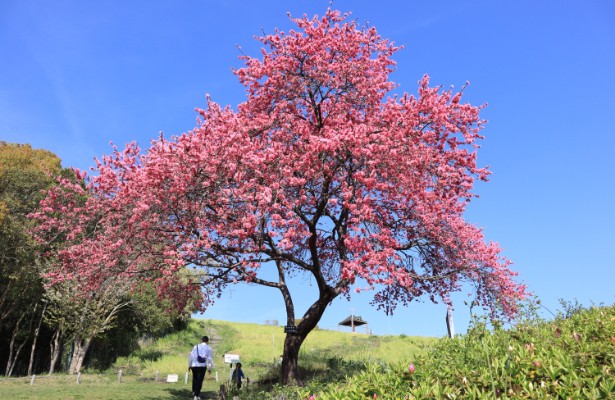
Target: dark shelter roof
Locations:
point(353, 319)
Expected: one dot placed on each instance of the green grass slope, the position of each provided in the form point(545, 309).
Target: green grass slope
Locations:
point(260, 347)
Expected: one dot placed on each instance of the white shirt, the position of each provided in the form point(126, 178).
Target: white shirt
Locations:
point(203, 350)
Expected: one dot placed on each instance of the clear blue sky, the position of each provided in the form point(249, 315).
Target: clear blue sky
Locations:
point(76, 75)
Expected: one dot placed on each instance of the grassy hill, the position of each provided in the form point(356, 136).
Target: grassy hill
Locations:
point(260, 347)
point(325, 356)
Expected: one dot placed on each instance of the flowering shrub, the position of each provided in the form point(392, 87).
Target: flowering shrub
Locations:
point(571, 357)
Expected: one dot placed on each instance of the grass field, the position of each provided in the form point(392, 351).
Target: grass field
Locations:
point(100, 387)
point(259, 347)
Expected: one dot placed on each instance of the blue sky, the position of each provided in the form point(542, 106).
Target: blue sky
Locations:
point(75, 76)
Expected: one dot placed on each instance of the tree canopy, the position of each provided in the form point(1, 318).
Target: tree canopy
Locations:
point(318, 172)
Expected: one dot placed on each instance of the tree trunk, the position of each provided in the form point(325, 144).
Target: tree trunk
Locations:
point(55, 347)
point(80, 348)
point(290, 360)
point(6, 308)
point(13, 354)
point(34, 340)
point(293, 341)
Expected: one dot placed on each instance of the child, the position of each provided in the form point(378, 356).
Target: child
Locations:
point(237, 375)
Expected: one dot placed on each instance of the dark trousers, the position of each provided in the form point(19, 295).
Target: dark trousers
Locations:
point(198, 374)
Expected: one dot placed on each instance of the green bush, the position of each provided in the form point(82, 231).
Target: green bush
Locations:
point(571, 357)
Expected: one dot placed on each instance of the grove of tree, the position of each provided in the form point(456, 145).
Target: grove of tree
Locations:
point(24, 174)
point(47, 328)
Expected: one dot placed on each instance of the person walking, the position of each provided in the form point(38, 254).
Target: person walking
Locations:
point(201, 358)
point(237, 375)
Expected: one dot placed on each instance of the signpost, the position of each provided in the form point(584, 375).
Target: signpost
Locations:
point(231, 358)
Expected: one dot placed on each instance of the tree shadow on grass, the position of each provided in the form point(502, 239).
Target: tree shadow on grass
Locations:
point(150, 355)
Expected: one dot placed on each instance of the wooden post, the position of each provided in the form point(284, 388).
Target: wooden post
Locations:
point(186, 378)
point(79, 378)
point(157, 376)
point(32, 379)
point(119, 376)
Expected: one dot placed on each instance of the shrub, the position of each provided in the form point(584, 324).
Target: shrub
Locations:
point(572, 356)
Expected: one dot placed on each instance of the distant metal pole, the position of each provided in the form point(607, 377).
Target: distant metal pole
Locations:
point(450, 326)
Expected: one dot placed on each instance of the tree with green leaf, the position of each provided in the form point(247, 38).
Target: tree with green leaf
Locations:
point(24, 174)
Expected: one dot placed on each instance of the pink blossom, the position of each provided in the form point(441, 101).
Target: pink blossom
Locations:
point(319, 173)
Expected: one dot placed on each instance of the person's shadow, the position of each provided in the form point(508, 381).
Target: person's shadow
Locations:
point(185, 394)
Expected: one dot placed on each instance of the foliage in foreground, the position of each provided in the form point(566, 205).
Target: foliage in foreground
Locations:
point(572, 357)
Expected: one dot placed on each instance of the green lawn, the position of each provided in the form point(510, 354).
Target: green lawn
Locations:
point(101, 387)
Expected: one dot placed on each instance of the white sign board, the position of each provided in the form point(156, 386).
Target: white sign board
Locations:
point(172, 378)
point(231, 358)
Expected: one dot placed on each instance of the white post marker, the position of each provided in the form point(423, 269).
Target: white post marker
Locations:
point(186, 379)
point(450, 326)
point(79, 378)
point(119, 376)
point(32, 379)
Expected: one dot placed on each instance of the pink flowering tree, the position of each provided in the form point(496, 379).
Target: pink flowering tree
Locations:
point(318, 173)
point(87, 244)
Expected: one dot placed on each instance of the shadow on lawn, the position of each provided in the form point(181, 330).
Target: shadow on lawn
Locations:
point(185, 394)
